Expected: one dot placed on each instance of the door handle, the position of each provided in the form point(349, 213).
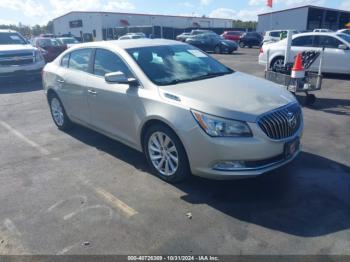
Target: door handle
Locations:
point(60, 81)
point(92, 92)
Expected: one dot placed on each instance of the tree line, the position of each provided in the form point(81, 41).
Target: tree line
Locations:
point(244, 24)
point(30, 31)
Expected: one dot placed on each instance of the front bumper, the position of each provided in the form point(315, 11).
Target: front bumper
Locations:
point(262, 153)
point(15, 72)
point(228, 49)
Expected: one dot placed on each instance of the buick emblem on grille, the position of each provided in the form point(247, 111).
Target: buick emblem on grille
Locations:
point(292, 120)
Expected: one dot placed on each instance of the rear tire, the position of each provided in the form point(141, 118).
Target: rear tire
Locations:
point(277, 64)
point(165, 154)
point(241, 45)
point(58, 113)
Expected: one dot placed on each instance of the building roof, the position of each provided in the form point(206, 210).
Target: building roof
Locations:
point(304, 6)
point(119, 13)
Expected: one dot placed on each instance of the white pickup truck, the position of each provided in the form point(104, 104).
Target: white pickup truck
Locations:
point(18, 59)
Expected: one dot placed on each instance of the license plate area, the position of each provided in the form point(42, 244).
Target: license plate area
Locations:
point(291, 147)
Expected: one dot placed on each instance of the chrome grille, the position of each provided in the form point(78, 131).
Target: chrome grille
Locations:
point(281, 123)
point(19, 58)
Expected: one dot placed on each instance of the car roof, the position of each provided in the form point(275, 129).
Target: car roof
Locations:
point(43, 38)
point(318, 33)
point(201, 30)
point(126, 44)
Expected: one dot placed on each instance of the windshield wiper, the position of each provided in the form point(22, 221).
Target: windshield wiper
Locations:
point(210, 75)
point(177, 81)
point(206, 76)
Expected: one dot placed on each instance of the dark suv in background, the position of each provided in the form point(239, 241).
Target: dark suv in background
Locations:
point(211, 42)
point(250, 39)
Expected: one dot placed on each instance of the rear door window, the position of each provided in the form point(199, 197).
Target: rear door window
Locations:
point(80, 60)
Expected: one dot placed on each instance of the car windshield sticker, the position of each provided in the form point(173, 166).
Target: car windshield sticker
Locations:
point(197, 53)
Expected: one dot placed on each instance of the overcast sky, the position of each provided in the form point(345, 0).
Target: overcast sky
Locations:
point(40, 11)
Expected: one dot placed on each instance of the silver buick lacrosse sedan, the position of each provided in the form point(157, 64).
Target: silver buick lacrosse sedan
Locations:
point(188, 113)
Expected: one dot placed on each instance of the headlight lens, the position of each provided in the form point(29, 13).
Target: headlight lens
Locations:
point(38, 56)
point(220, 127)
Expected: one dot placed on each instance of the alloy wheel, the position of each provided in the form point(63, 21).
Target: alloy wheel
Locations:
point(57, 111)
point(278, 65)
point(163, 153)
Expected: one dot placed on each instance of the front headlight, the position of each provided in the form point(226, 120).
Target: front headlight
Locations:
point(38, 56)
point(221, 127)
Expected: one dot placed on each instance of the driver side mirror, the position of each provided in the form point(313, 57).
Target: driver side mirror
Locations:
point(120, 78)
point(343, 47)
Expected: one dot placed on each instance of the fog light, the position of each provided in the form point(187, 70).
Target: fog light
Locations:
point(229, 165)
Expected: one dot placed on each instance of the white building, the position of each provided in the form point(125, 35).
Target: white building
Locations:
point(100, 24)
point(303, 18)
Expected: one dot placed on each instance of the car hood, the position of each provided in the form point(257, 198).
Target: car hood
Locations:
point(14, 48)
point(228, 42)
point(236, 96)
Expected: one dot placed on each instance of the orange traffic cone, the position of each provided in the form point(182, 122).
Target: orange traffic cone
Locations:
point(298, 71)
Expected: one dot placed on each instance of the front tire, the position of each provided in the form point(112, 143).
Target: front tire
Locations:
point(58, 113)
point(165, 154)
point(217, 50)
point(241, 45)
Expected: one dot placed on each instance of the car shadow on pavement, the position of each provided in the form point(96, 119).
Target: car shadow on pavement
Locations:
point(336, 76)
point(20, 86)
point(333, 106)
point(309, 197)
point(109, 146)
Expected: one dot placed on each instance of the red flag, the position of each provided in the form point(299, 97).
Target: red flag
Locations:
point(269, 3)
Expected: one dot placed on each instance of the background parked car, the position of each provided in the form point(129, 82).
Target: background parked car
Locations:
point(182, 37)
point(213, 43)
point(322, 30)
point(49, 47)
point(232, 35)
point(132, 36)
point(67, 41)
point(336, 56)
point(275, 35)
point(17, 57)
point(344, 31)
point(47, 35)
point(250, 39)
point(201, 31)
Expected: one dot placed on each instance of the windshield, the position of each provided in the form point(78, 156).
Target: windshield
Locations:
point(46, 42)
point(168, 65)
point(345, 37)
point(11, 39)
